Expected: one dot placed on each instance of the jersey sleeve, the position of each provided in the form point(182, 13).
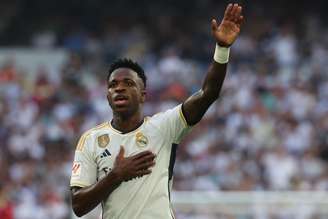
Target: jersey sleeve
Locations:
point(173, 124)
point(84, 169)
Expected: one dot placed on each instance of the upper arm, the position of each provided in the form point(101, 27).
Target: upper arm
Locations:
point(84, 169)
point(74, 190)
point(195, 107)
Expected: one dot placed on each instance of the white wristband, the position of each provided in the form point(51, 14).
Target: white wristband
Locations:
point(221, 54)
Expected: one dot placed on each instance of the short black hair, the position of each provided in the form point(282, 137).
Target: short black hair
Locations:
point(127, 63)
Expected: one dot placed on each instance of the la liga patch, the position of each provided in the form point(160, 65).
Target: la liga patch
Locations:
point(76, 169)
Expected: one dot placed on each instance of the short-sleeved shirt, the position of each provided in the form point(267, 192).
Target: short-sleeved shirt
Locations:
point(147, 197)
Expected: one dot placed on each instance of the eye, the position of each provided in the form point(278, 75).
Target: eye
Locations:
point(112, 84)
point(129, 83)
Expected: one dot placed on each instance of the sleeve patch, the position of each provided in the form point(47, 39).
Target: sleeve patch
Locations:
point(76, 169)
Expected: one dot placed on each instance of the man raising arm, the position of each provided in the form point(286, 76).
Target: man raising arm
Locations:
point(225, 34)
point(119, 177)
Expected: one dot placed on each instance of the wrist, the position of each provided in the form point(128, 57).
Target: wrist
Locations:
point(115, 176)
point(221, 54)
point(223, 44)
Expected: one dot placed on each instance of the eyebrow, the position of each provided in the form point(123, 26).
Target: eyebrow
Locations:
point(124, 79)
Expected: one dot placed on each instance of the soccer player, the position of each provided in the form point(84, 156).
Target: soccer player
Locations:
point(126, 164)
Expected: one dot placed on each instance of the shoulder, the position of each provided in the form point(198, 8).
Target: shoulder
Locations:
point(168, 115)
point(166, 111)
point(98, 128)
point(90, 134)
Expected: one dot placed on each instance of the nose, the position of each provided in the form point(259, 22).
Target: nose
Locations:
point(119, 88)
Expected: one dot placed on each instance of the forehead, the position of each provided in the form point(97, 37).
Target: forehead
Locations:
point(123, 73)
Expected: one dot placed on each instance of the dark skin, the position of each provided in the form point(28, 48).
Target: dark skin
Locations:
point(126, 83)
point(126, 95)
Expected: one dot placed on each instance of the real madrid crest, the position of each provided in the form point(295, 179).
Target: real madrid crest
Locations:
point(141, 140)
point(103, 140)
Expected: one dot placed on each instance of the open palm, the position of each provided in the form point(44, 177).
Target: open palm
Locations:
point(228, 30)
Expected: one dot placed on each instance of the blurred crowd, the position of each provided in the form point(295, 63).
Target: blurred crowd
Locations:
point(267, 131)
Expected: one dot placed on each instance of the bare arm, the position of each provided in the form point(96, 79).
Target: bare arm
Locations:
point(225, 34)
point(87, 198)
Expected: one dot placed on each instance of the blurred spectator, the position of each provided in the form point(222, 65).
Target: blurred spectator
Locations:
point(6, 206)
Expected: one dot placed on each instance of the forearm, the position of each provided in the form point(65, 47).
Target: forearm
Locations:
point(87, 198)
point(225, 34)
point(213, 81)
point(195, 106)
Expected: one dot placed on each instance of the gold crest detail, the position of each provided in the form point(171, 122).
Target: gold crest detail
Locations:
point(141, 140)
point(103, 140)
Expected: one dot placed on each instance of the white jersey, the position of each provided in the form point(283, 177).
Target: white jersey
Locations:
point(147, 197)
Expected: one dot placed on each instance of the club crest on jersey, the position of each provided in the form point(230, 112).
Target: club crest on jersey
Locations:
point(103, 140)
point(141, 140)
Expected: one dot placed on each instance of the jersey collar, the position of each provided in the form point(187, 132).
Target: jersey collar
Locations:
point(127, 133)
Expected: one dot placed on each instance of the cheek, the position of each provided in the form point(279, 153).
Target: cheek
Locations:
point(109, 98)
point(137, 96)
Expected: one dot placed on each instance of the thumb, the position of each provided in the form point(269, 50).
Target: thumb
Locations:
point(121, 153)
point(214, 25)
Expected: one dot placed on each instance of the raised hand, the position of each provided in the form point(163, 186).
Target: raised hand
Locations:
point(138, 165)
point(228, 30)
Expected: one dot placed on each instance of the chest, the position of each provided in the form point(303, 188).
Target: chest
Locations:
point(107, 146)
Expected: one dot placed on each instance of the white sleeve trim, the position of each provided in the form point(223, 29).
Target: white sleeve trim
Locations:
point(182, 117)
point(79, 184)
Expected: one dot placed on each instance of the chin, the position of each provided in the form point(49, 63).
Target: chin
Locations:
point(124, 111)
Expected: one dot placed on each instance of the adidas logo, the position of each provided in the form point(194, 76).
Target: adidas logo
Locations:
point(106, 153)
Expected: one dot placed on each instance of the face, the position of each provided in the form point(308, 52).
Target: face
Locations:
point(126, 92)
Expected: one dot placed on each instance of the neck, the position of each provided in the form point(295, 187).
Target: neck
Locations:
point(125, 124)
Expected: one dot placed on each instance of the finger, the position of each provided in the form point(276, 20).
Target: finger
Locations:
point(121, 153)
point(145, 165)
point(142, 173)
point(228, 11)
point(235, 14)
point(141, 154)
point(240, 21)
point(232, 12)
point(238, 13)
point(234, 9)
point(144, 159)
point(144, 156)
point(214, 25)
point(240, 9)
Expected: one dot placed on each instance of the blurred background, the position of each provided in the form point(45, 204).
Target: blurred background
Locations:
point(263, 144)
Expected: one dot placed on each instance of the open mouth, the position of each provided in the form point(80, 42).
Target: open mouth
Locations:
point(120, 99)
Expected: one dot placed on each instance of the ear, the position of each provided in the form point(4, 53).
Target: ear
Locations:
point(143, 95)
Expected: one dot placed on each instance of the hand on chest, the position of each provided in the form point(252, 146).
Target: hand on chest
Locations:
point(108, 146)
